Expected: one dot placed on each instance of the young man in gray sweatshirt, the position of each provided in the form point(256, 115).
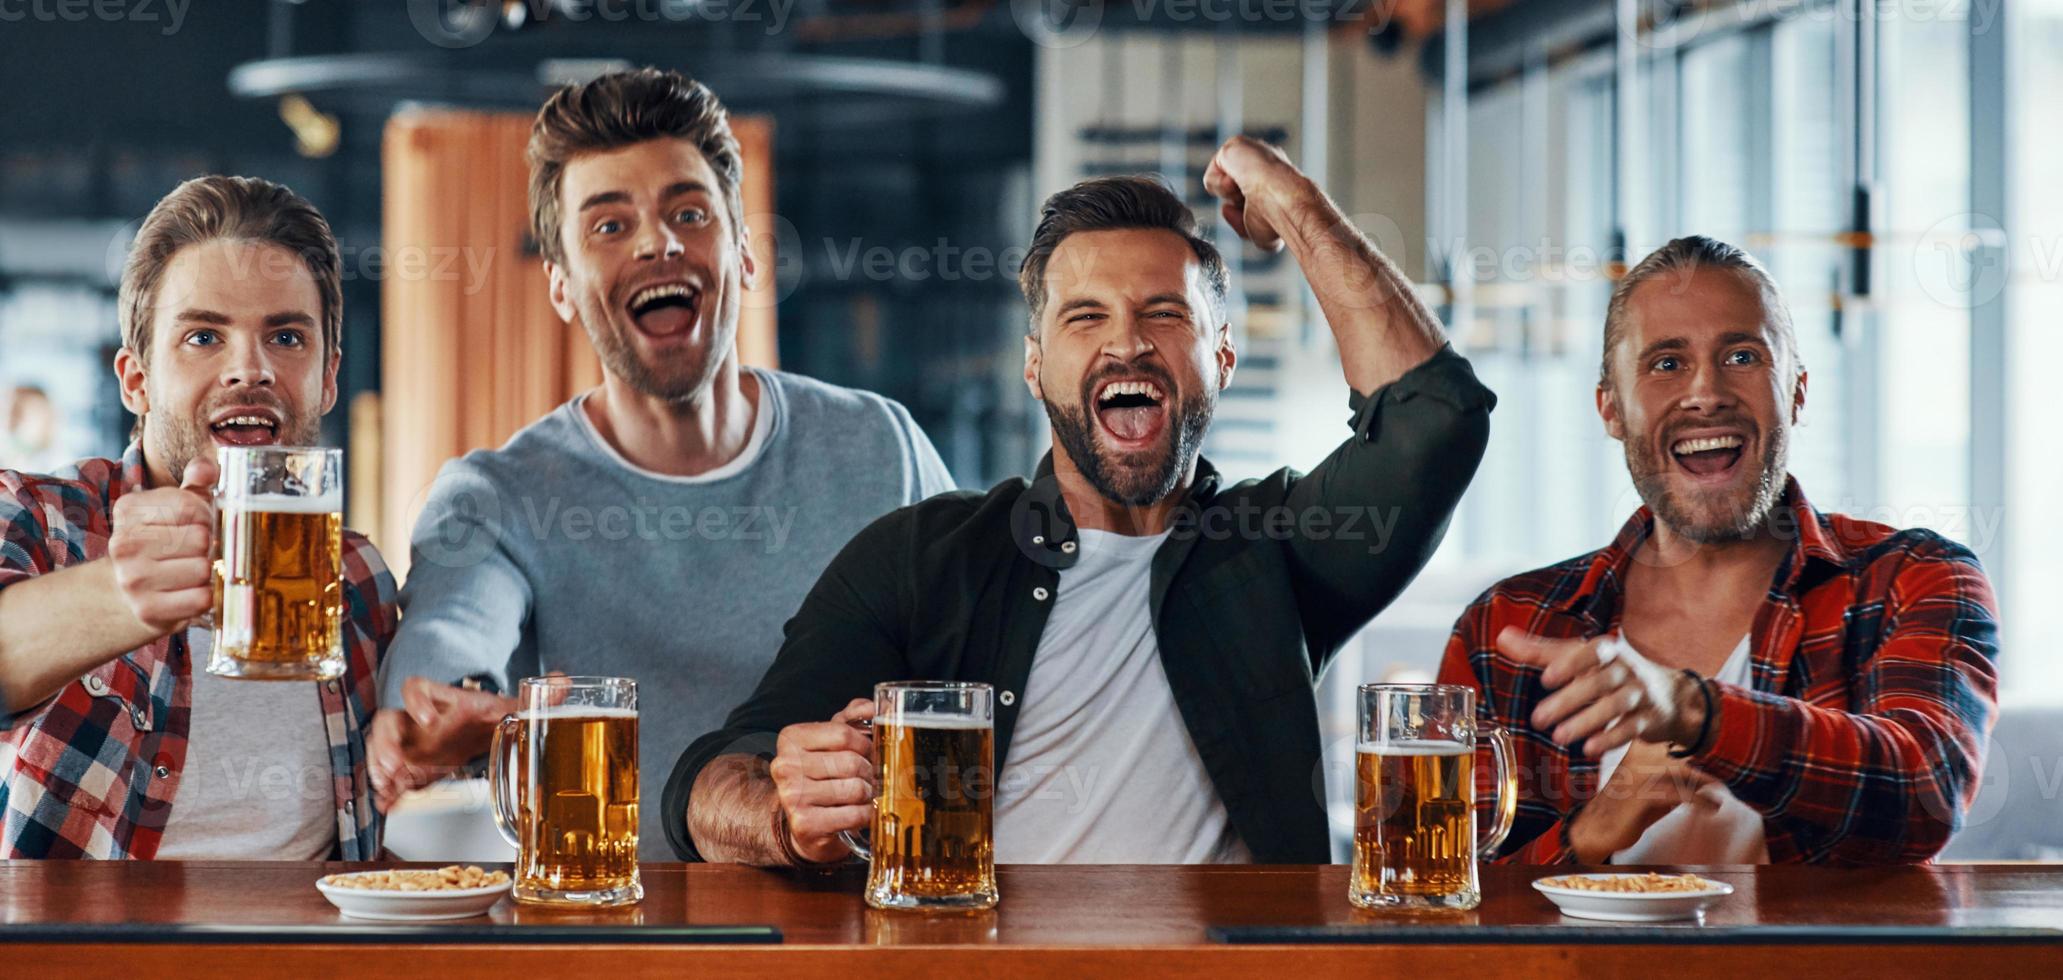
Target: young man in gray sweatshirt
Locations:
point(664, 525)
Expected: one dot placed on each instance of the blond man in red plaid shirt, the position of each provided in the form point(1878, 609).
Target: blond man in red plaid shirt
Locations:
point(1737, 677)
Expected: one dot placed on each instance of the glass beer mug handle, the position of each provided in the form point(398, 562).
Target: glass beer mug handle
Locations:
point(501, 780)
point(857, 842)
point(1507, 791)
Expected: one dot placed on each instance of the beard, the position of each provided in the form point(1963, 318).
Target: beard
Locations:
point(1732, 515)
point(178, 442)
point(681, 377)
point(1140, 478)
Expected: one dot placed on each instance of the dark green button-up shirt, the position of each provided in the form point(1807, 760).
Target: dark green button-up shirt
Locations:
point(1254, 591)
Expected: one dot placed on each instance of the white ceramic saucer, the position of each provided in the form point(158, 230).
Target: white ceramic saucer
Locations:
point(395, 906)
point(1582, 903)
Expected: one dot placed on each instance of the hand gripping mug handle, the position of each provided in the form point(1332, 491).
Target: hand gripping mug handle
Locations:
point(856, 841)
point(500, 781)
point(1507, 791)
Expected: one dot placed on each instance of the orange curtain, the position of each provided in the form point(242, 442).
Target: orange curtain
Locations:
point(471, 349)
point(756, 345)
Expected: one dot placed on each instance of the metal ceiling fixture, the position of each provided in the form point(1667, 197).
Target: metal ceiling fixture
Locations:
point(481, 55)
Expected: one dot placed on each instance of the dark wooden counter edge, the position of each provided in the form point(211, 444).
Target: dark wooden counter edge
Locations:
point(382, 934)
point(446, 934)
point(1649, 934)
point(1304, 962)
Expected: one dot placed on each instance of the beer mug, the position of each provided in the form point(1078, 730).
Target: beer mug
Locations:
point(932, 841)
point(1415, 798)
point(279, 564)
point(563, 771)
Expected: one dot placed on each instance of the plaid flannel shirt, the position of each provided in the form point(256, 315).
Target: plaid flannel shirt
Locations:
point(1860, 740)
point(92, 771)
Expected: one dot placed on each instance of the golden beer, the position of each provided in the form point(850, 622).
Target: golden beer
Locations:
point(279, 587)
point(1415, 819)
point(933, 833)
point(931, 844)
point(564, 777)
point(1415, 844)
point(577, 811)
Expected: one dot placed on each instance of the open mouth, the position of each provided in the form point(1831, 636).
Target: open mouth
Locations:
point(1132, 413)
point(665, 309)
point(1708, 457)
point(245, 427)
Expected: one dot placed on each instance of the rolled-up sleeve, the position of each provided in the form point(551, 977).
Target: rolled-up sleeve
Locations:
point(1415, 446)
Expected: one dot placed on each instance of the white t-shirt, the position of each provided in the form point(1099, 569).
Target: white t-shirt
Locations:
point(1101, 768)
point(258, 784)
point(1716, 828)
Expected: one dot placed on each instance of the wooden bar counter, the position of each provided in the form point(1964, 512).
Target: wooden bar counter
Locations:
point(223, 920)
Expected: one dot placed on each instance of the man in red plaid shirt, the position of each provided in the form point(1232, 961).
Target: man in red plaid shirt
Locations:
point(1737, 677)
point(112, 744)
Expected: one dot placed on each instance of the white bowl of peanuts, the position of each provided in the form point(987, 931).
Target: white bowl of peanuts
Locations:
point(1639, 897)
point(415, 894)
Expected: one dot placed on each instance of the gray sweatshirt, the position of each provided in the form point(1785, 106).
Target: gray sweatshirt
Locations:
point(556, 553)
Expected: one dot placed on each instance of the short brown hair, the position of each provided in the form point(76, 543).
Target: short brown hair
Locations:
point(1110, 204)
point(249, 209)
point(1681, 258)
point(617, 110)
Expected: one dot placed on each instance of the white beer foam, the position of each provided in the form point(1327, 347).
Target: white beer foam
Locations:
point(925, 719)
point(576, 712)
point(1415, 747)
point(281, 503)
